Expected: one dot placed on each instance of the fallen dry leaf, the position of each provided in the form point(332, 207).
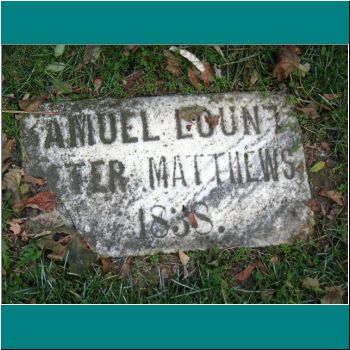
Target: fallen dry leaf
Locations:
point(325, 146)
point(92, 53)
point(42, 200)
point(106, 264)
point(131, 80)
point(129, 49)
point(192, 219)
point(208, 75)
point(33, 180)
point(172, 64)
point(183, 258)
point(32, 104)
point(287, 61)
point(243, 275)
point(11, 183)
point(259, 264)
point(310, 111)
point(310, 283)
point(334, 295)
point(330, 163)
point(15, 226)
point(8, 149)
point(191, 57)
point(193, 79)
point(8, 154)
point(126, 267)
point(166, 272)
point(66, 244)
point(313, 205)
point(335, 196)
point(188, 127)
point(24, 236)
point(334, 212)
point(254, 78)
point(331, 97)
point(213, 121)
point(98, 83)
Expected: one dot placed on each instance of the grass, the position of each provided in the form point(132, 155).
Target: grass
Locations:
point(33, 278)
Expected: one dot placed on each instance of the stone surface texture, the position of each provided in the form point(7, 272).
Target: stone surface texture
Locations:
point(126, 173)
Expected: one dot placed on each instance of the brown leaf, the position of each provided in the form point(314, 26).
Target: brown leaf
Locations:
point(98, 83)
point(243, 275)
point(193, 79)
point(213, 121)
point(32, 104)
point(188, 127)
point(3, 272)
point(313, 205)
point(335, 196)
point(129, 49)
point(334, 295)
point(288, 60)
point(8, 149)
point(254, 78)
point(42, 200)
point(24, 236)
point(172, 64)
point(325, 146)
point(88, 53)
point(15, 226)
point(33, 180)
point(107, 264)
point(259, 264)
point(208, 75)
point(192, 219)
point(331, 97)
point(8, 154)
point(310, 111)
point(183, 258)
point(125, 269)
point(330, 163)
point(131, 80)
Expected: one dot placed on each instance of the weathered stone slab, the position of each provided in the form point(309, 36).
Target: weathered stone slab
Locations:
point(123, 170)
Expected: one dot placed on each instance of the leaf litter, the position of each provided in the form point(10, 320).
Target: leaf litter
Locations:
point(42, 200)
point(333, 295)
point(287, 61)
point(333, 195)
point(33, 104)
point(245, 274)
point(172, 63)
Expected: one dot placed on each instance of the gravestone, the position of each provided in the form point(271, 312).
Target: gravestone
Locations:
point(132, 174)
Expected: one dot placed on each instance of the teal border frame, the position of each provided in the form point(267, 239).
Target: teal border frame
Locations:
point(165, 22)
point(175, 326)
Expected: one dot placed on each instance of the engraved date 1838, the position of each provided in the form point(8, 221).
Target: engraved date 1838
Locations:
point(164, 223)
